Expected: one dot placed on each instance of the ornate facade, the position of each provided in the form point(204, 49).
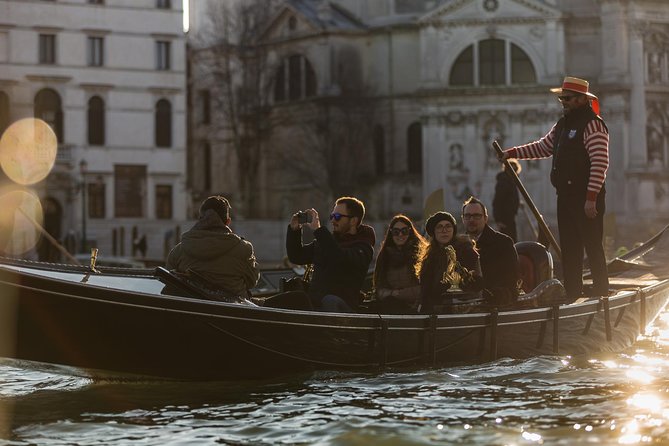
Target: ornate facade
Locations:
point(447, 77)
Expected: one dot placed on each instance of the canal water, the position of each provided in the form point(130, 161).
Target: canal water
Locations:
point(615, 399)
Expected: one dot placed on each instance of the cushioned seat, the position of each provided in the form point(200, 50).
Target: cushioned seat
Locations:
point(535, 264)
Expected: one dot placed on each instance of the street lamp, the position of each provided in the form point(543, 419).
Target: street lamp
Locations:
point(83, 167)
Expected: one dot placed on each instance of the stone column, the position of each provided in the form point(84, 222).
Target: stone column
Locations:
point(637, 142)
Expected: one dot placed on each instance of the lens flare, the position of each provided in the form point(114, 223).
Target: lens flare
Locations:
point(20, 213)
point(28, 151)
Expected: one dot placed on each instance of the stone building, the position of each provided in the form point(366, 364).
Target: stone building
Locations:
point(442, 79)
point(109, 77)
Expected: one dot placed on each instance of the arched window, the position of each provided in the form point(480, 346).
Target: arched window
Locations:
point(490, 58)
point(295, 79)
point(379, 141)
point(96, 121)
point(163, 123)
point(415, 148)
point(48, 109)
point(4, 111)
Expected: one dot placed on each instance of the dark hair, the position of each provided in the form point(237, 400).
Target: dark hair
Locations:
point(415, 242)
point(354, 207)
point(474, 200)
point(218, 204)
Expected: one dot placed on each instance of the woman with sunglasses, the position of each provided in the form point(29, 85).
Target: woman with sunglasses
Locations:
point(437, 260)
point(395, 276)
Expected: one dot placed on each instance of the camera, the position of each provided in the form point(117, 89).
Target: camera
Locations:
point(303, 217)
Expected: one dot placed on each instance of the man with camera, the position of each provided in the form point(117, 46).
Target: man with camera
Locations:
point(340, 258)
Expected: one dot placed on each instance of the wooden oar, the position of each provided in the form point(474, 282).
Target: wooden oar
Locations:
point(540, 219)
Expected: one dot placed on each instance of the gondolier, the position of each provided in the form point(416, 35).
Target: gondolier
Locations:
point(579, 145)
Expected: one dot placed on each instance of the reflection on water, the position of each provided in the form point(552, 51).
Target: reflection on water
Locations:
point(614, 399)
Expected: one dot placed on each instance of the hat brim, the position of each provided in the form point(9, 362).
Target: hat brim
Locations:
point(559, 90)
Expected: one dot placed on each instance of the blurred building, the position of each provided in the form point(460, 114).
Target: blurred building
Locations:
point(109, 77)
point(439, 80)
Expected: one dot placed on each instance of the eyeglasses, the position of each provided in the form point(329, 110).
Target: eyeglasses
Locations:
point(336, 216)
point(397, 231)
point(444, 227)
point(567, 98)
point(472, 216)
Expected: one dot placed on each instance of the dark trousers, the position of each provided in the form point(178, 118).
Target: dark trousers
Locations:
point(576, 233)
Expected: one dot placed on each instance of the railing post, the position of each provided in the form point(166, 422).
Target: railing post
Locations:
point(494, 320)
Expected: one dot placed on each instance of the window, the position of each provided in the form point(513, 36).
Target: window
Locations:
point(47, 48)
point(48, 108)
point(490, 58)
point(378, 140)
point(96, 121)
point(162, 55)
point(415, 148)
point(295, 79)
point(491, 62)
point(164, 201)
point(95, 52)
point(163, 123)
point(163, 4)
point(129, 190)
point(204, 103)
point(4, 111)
point(206, 156)
point(96, 200)
point(96, 2)
point(4, 47)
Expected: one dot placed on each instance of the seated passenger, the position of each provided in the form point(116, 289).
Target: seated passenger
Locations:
point(446, 253)
point(340, 258)
point(214, 252)
point(395, 275)
point(499, 259)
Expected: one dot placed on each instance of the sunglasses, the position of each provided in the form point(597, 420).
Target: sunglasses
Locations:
point(399, 231)
point(567, 98)
point(336, 216)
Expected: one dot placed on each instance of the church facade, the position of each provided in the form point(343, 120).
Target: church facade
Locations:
point(445, 78)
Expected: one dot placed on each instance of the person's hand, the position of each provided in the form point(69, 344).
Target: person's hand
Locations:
point(590, 208)
point(505, 155)
point(315, 222)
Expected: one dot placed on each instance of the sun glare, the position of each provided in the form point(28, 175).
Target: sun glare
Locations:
point(20, 216)
point(28, 151)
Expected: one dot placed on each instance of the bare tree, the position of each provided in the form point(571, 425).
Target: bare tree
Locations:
point(236, 68)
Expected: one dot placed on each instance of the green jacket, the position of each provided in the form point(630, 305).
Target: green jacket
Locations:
point(211, 249)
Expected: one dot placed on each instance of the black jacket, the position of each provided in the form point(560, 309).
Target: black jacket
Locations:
point(499, 266)
point(340, 262)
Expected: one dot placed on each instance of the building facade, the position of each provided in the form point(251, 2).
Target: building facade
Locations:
point(444, 79)
point(109, 77)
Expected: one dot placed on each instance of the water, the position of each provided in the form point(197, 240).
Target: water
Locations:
point(615, 399)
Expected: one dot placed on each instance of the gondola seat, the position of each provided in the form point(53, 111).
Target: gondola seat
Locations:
point(535, 264)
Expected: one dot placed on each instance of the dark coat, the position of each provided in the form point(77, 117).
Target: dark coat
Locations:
point(340, 262)
point(499, 266)
point(506, 201)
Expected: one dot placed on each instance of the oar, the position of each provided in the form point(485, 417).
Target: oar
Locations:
point(540, 219)
point(50, 238)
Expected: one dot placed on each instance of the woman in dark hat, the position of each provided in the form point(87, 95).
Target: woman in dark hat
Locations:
point(438, 259)
point(395, 274)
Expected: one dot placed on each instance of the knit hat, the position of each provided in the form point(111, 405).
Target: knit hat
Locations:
point(218, 204)
point(435, 218)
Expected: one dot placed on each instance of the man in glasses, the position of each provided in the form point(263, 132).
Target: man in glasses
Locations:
point(497, 254)
point(579, 145)
point(340, 258)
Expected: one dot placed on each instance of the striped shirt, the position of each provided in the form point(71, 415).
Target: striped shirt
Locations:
point(596, 139)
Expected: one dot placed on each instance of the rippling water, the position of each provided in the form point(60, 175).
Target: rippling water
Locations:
point(617, 399)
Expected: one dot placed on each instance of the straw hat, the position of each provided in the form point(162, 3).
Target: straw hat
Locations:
point(578, 86)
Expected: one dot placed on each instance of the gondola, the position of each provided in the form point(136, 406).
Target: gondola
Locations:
point(118, 322)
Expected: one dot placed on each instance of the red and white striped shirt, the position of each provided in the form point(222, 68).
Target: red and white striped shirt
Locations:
point(596, 140)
